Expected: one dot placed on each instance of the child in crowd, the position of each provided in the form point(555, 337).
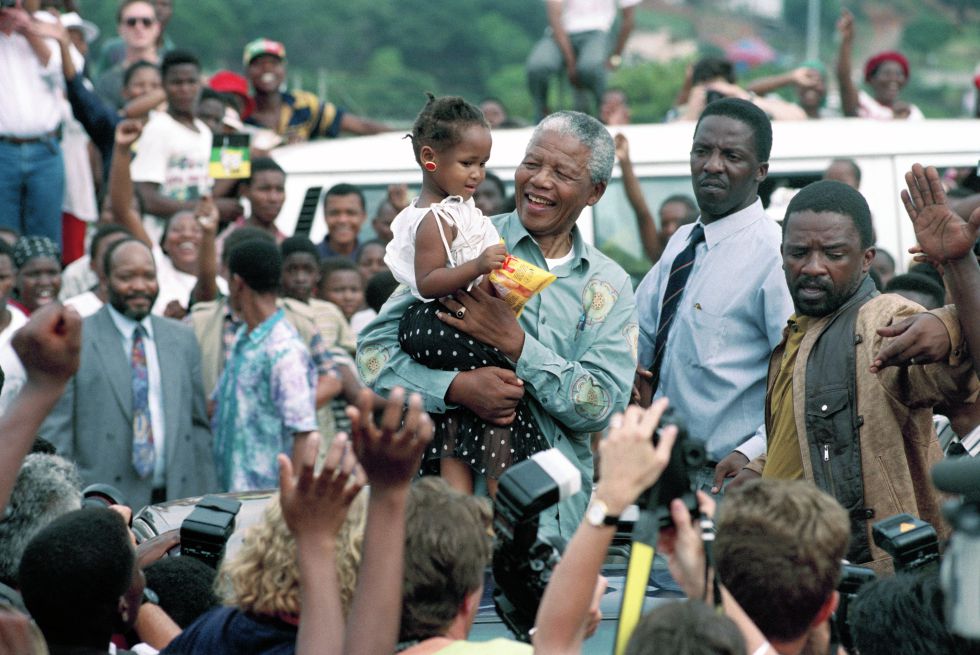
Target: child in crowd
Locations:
point(442, 243)
point(342, 284)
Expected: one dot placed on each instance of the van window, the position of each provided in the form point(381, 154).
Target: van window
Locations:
point(614, 221)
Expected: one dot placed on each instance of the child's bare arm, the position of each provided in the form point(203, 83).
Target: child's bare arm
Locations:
point(433, 277)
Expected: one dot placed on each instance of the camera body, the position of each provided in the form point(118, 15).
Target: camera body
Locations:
point(205, 531)
point(686, 459)
point(912, 543)
point(101, 495)
point(523, 560)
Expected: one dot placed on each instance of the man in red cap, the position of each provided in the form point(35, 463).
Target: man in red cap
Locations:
point(235, 87)
point(886, 73)
point(296, 115)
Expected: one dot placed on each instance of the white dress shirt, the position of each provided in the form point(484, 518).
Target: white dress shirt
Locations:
point(29, 91)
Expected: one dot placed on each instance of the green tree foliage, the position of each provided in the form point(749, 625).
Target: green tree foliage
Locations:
point(378, 55)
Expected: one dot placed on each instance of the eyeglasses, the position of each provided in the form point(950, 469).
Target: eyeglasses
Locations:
point(134, 21)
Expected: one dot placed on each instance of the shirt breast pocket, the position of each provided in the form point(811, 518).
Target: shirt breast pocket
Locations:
point(698, 337)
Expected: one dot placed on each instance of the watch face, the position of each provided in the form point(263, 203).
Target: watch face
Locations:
point(150, 596)
point(596, 514)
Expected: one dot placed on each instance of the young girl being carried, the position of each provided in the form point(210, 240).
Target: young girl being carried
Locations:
point(443, 243)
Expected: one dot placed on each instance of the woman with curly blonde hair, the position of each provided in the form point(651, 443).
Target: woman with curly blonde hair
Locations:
point(260, 586)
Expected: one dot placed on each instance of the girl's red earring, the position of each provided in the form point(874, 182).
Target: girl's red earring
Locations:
point(430, 166)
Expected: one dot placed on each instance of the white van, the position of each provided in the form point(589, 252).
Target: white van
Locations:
point(884, 150)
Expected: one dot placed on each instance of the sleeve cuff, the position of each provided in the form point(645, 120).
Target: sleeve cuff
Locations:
point(950, 318)
point(753, 447)
point(534, 360)
point(436, 387)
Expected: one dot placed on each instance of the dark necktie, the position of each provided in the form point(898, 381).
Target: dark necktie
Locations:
point(144, 456)
point(680, 270)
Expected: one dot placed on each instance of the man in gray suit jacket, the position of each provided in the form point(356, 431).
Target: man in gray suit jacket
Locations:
point(137, 365)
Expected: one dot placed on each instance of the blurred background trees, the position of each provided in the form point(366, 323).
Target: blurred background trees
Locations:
point(377, 57)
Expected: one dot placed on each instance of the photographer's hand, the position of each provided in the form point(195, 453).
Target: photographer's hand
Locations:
point(683, 546)
point(314, 507)
point(629, 464)
point(391, 454)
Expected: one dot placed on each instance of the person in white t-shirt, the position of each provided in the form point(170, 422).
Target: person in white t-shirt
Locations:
point(577, 39)
point(177, 253)
point(33, 180)
point(171, 165)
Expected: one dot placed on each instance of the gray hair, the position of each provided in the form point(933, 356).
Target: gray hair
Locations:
point(47, 486)
point(590, 133)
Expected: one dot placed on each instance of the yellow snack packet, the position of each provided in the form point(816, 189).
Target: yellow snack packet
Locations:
point(517, 281)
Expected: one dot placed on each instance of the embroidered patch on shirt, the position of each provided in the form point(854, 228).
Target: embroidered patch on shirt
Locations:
point(631, 332)
point(370, 361)
point(590, 400)
point(598, 299)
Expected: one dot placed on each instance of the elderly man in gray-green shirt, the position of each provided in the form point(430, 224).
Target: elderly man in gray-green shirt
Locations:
point(573, 347)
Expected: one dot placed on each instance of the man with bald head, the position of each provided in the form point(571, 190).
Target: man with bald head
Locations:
point(134, 415)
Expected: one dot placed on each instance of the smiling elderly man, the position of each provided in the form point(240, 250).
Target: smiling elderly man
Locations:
point(573, 347)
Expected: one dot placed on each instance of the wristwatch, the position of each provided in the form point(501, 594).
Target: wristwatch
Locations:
point(149, 596)
point(598, 514)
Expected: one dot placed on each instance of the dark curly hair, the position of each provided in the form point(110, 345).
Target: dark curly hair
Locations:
point(439, 123)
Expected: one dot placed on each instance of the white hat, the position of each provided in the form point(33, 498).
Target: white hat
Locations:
point(72, 20)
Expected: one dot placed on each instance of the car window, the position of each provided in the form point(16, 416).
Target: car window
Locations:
point(616, 233)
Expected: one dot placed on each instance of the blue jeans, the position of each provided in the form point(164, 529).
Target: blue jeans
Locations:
point(32, 187)
point(546, 61)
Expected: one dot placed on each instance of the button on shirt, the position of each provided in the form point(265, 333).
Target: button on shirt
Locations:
point(730, 318)
point(127, 327)
point(577, 365)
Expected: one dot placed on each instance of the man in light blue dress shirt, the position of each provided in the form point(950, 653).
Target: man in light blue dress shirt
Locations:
point(735, 302)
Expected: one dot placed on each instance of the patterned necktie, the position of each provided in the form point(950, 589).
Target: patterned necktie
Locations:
point(680, 270)
point(144, 456)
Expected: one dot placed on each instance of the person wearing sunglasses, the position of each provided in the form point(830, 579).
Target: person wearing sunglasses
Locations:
point(139, 29)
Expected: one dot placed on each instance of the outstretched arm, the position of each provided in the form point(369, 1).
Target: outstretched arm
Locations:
point(49, 347)
point(947, 239)
point(848, 91)
point(634, 193)
point(121, 181)
point(360, 125)
point(314, 508)
point(802, 77)
point(390, 454)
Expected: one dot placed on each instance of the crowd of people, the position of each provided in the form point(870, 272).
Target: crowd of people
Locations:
point(161, 339)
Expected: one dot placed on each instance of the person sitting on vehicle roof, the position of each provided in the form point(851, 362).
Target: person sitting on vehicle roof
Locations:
point(713, 78)
point(886, 73)
point(296, 115)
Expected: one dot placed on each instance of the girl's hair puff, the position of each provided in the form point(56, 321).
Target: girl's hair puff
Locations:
point(439, 123)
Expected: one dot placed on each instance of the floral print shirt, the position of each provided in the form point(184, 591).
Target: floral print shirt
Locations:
point(266, 394)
